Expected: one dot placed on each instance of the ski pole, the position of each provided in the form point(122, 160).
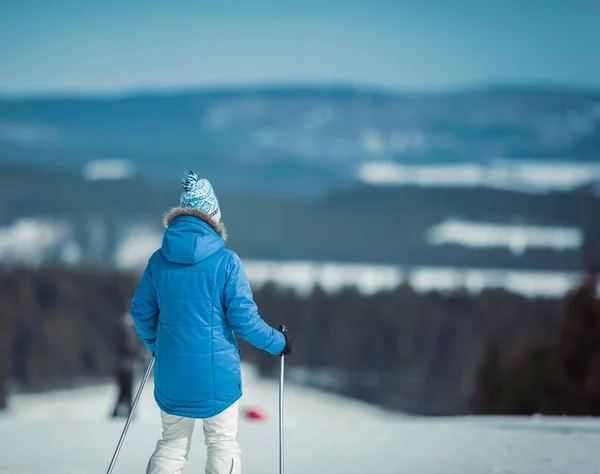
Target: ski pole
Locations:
point(129, 418)
point(281, 452)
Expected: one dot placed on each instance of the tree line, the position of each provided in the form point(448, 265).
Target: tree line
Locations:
point(423, 353)
point(560, 376)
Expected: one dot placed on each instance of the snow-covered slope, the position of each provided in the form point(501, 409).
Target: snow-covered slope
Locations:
point(68, 432)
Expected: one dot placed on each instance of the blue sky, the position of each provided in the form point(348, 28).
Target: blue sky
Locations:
point(78, 46)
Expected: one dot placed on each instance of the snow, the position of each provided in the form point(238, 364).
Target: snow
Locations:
point(28, 134)
point(108, 169)
point(519, 175)
point(407, 140)
point(33, 241)
point(137, 243)
point(29, 241)
point(517, 238)
point(135, 247)
point(68, 432)
point(318, 116)
point(372, 141)
point(303, 276)
point(71, 253)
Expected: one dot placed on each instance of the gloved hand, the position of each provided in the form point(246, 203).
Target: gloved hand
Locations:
point(288, 341)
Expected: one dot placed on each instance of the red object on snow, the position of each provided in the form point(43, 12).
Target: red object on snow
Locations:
point(255, 414)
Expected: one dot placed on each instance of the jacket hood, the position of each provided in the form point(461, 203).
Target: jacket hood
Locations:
point(191, 236)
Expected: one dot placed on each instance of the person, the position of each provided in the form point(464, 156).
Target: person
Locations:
point(193, 296)
point(127, 348)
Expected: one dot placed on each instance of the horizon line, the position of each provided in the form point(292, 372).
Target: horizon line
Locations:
point(271, 86)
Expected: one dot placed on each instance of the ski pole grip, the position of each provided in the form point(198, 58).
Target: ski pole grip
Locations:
point(283, 329)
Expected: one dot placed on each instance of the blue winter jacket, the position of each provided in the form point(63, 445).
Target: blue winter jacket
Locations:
point(192, 297)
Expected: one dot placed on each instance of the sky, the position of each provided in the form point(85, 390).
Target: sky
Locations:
point(108, 46)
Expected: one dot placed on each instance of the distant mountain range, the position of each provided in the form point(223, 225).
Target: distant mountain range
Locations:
point(300, 140)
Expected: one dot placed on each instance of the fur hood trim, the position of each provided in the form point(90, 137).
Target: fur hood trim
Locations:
point(175, 212)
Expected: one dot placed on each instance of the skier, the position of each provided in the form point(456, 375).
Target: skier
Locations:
point(127, 352)
point(192, 298)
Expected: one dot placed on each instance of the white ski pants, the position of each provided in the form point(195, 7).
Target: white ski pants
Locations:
point(223, 452)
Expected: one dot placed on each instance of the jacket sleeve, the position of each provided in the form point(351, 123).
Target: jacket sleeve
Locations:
point(242, 313)
point(144, 310)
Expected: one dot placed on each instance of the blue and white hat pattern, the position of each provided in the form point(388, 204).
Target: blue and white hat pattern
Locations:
point(198, 194)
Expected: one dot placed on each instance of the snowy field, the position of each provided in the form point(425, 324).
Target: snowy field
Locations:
point(515, 175)
point(517, 238)
point(68, 432)
point(371, 278)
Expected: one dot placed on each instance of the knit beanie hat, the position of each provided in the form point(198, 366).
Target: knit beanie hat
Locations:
point(199, 194)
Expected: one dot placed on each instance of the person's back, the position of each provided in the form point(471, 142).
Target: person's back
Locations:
point(191, 299)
